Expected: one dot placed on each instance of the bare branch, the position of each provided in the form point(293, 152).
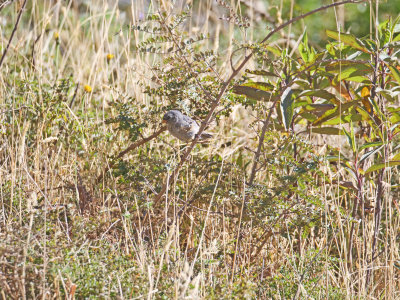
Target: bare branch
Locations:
point(12, 33)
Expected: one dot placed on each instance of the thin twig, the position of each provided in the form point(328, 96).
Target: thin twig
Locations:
point(291, 21)
point(33, 50)
point(231, 57)
point(4, 4)
point(12, 33)
point(379, 192)
point(238, 237)
point(260, 144)
point(74, 96)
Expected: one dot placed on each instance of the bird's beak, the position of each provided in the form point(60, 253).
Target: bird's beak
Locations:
point(164, 121)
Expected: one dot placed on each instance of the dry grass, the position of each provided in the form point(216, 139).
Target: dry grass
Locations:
point(63, 234)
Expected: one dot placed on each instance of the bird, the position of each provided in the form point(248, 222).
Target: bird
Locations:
point(183, 127)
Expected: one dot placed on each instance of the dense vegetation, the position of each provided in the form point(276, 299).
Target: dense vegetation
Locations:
point(296, 196)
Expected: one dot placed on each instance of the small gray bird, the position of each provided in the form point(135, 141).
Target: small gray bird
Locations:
point(183, 127)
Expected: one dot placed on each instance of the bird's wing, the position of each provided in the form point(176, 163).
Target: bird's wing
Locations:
point(189, 123)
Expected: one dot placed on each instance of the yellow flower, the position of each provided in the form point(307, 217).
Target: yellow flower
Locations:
point(365, 92)
point(110, 56)
point(87, 88)
point(56, 35)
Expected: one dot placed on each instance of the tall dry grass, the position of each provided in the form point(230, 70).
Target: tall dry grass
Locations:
point(64, 234)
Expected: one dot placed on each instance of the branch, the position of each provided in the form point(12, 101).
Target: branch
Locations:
point(260, 143)
point(130, 148)
point(12, 33)
point(4, 4)
point(291, 21)
point(224, 87)
point(33, 51)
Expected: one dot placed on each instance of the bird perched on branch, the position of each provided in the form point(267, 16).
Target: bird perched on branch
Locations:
point(183, 127)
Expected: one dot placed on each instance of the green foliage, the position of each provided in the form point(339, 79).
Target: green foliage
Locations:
point(338, 68)
point(127, 120)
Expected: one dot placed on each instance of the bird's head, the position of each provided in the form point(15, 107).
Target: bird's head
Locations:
point(172, 115)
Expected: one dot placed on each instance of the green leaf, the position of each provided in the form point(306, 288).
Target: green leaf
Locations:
point(397, 38)
point(384, 32)
point(351, 138)
point(327, 130)
point(274, 50)
point(380, 166)
point(369, 145)
point(356, 78)
point(347, 39)
point(264, 86)
point(286, 106)
point(349, 70)
point(302, 83)
point(239, 160)
point(396, 157)
point(369, 153)
point(377, 109)
point(341, 66)
point(366, 116)
point(261, 73)
point(308, 116)
point(334, 158)
point(396, 25)
point(318, 93)
point(330, 114)
point(318, 109)
point(304, 50)
point(395, 73)
point(351, 170)
point(302, 103)
point(354, 117)
point(389, 94)
point(253, 93)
